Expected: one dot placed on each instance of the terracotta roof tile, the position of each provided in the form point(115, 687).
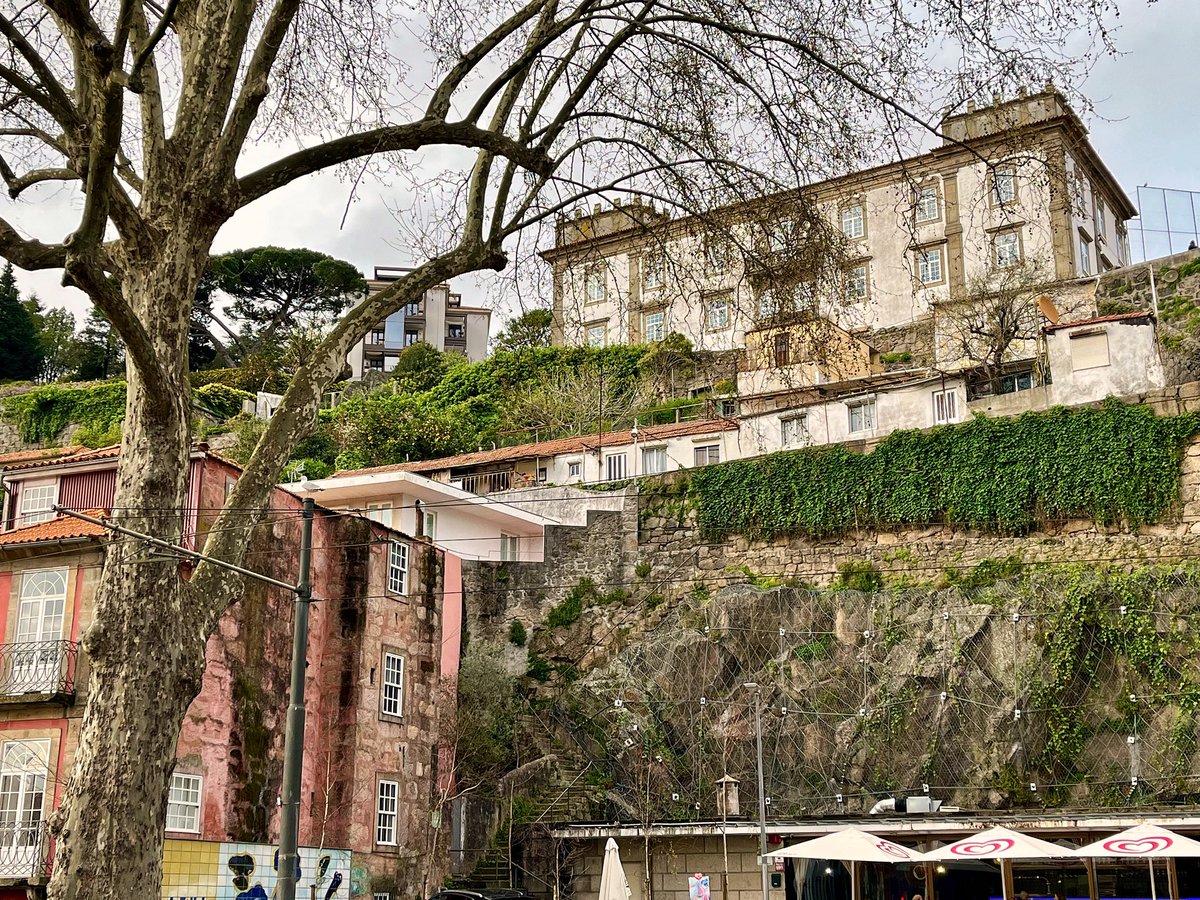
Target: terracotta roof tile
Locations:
point(40, 455)
point(1096, 320)
point(60, 528)
point(577, 444)
point(83, 455)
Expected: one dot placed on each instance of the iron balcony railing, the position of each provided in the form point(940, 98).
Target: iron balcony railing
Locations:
point(24, 852)
point(486, 483)
point(38, 668)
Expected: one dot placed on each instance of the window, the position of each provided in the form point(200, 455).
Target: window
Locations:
point(1004, 186)
point(391, 699)
point(230, 484)
point(24, 766)
point(429, 524)
point(854, 221)
point(945, 406)
point(783, 350)
point(543, 475)
point(596, 335)
point(856, 284)
point(183, 803)
point(1018, 381)
point(716, 255)
point(456, 332)
point(767, 304)
point(413, 309)
point(1101, 224)
point(510, 547)
point(1089, 351)
point(654, 326)
point(708, 454)
point(380, 512)
point(1006, 249)
point(929, 266)
point(1085, 256)
point(411, 336)
point(614, 467)
point(654, 460)
point(927, 207)
point(37, 500)
point(375, 364)
point(780, 237)
point(375, 336)
point(794, 431)
point(381, 895)
point(716, 312)
point(574, 470)
point(398, 567)
point(595, 288)
point(862, 416)
point(385, 813)
point(652, 276)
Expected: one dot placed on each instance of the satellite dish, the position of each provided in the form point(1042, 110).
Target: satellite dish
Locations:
point(1047, 309)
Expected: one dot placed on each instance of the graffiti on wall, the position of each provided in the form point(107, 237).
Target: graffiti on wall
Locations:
point(207, 870)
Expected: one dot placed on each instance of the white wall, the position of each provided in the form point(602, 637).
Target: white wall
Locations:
point(1133, 366)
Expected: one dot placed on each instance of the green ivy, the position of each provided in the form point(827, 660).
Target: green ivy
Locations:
point(1113, 464)
point(222, 399)
point(41, 414)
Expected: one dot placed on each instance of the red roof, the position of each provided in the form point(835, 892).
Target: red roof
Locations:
point(1096, 320)
point(83, 454)
point(61, 528)
point(576, 444)
point(8, 460)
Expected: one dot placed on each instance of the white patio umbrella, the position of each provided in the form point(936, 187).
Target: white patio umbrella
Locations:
point(613, 883)
point(853, 846)
point(1001, 844)
point(1150, 842)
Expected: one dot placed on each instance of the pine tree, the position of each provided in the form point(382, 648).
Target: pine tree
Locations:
point(20, 355)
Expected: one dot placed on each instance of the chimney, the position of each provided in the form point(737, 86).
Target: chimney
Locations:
point(970, 106)
point(728, 803)
point(596, 210)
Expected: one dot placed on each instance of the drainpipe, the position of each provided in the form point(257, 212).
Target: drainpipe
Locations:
point(1153, 291)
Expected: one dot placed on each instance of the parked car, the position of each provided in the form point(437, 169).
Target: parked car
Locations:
point(480, 894)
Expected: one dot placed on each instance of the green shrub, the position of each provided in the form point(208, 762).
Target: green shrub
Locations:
point(517, 634)
point(41, 414)
point(859, 575)
point(539, 667)
point(223, 400)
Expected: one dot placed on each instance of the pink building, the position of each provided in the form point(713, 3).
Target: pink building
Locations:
point(375, 690)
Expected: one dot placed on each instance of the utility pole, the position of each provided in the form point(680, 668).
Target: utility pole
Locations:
point(289, 825)
point(293, 741)
point(762, 796)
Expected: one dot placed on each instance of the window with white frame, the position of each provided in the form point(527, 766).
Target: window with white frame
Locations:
point(652, 273)
point(429, 524)
point(708, 454)
point(781, 236)
point(927, 207)
point(716, 255)
point(654, 460)
point(230, 484)
point(1101, 223)
point(574, 470)
point(183, 803)
point(37, 501)
point(854, 221)
point(614, 467)
point(596, 334)
point(380, 512)
point(1004, 186)
point(716, 312)
point(510, 547)
point(391, 698)
point(1006, 249)
point(654, 326)
point(595, 285)
point(929, 266)
point(862, 415)
point(381, 895)
point(945, 406)
point(24, 768)
point(386, 804)
point(398, 567)
point(767, 304)
point(794, 431)
point(856, 283)
point(1085, 255)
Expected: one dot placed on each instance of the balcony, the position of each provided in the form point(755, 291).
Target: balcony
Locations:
point(25, 853)
point(37, 671)
point(488, 482)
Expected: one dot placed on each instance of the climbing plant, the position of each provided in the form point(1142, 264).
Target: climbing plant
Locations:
point(1113, 464)
point(41, 414)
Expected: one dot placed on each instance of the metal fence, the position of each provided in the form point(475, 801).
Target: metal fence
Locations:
point(38, 667)
point(1168, 222)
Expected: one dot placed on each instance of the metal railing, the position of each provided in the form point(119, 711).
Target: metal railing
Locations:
point(25, 852)
point(38, 668)
point(486, 483)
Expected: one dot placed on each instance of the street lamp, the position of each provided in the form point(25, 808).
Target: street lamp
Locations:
point(753, 688)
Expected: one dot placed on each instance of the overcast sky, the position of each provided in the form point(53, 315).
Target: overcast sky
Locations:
point(1146, 129)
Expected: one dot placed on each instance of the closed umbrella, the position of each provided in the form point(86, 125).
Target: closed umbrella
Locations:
point(1150, 842)
point(1001, 844)
point(853, 846)
point(613, 884)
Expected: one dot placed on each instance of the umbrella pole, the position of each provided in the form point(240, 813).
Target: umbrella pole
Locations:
point(1153, 887)
point(1006, 879)
point(853, 880)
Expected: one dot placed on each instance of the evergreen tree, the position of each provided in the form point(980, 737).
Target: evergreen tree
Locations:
point(99, 352)
point(20, 357)
point(56, 339)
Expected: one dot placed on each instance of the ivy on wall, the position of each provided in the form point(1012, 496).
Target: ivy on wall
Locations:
point(1114, 464)
point(41, 414)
